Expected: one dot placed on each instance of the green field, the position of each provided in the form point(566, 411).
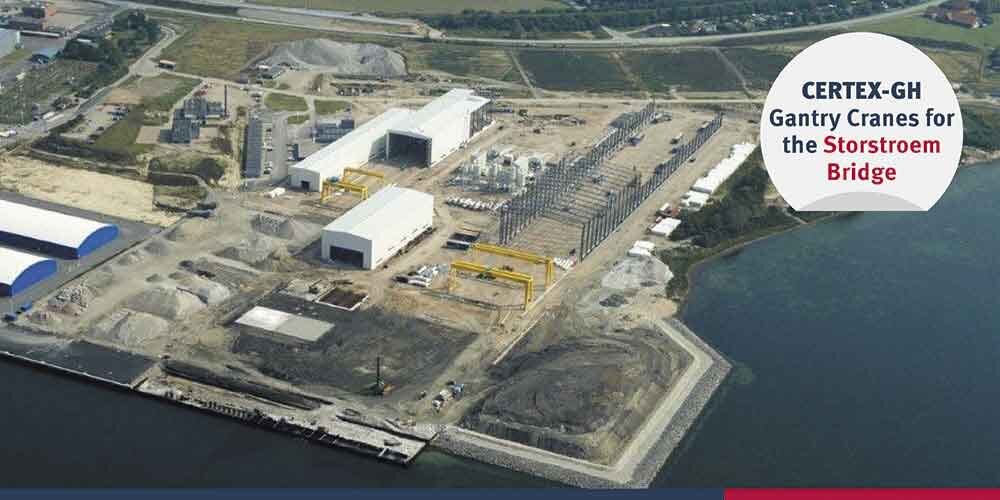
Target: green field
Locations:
point(577, 71)
point(920, 27)
point(179, 86)
point(957, 66)
point(691, 70)
point(330, 107)
point(417, 7)
point(759, 66)
point(297, 119)
point(461, 60)
point(120, 137)
point(285, 102)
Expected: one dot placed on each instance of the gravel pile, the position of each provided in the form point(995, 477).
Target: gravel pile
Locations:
point(131, 259)
point(366, 59)
point(637, 272)
point(251, 251)
point(208, 291)
point(165, 302)
point(133, 329)
point(158, 247)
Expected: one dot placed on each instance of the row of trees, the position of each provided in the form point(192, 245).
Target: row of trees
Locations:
point(635, 13)
point(741, 211)
point(132, 33)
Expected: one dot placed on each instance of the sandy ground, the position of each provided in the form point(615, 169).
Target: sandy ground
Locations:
point(97, 192)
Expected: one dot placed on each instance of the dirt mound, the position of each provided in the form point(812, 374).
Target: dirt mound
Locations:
point(101, 278)
point(366, 59)
point(189, 230)
point(133, 329)
point(165, 302)
point(208, 291)
point(158, 247)
point(131, 259)
point(251, 251)
point(583, 396)
point(280, 261)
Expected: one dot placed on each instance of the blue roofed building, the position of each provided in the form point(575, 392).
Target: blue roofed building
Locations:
point(20, 271)
point(52, 233)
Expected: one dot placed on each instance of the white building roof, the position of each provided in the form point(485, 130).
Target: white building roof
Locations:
point(13, 263)
point(46, 225)
point(453, 105)
point(665, 226)
point(322, 161)
point(384, 209)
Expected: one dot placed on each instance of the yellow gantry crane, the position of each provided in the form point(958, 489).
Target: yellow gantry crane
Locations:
point(352, 186)
point(525, 280)
point(548, 262)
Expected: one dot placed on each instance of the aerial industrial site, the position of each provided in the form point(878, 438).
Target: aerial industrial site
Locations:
point(341, 240)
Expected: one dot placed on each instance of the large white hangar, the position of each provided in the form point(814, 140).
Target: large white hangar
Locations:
point(20, 271)
point(52, 233)
point(439, 128)
point(353, 150)
point(378, 228)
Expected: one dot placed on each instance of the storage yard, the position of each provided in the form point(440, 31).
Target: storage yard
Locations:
point(438, 267)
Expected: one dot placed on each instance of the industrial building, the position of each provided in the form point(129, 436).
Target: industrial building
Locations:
point(39, 10)
point(20, 271)
point(201, 109)
point(253, 165)
point(439, 128)
point(331, 131)
point(9, 41)
point(379, 227)
point(184, 130)
point(353, 150)
point(27, 24)
point(52, 233)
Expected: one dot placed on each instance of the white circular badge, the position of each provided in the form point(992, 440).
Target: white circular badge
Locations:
point(861, 121)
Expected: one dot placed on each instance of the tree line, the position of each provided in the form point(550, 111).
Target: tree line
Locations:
point(634, 13)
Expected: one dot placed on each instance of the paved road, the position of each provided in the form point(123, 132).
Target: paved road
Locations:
point(557, 43)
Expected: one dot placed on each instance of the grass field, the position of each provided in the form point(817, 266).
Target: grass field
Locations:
point(693, 70)
point(120, 137)
point(221, 49)
point(461, 60)
point(958, 66)
point(331, 107)
point(297, 119)
point(578, 71)
point(920, 27)
point(759, 66)
point(285, 102)
point(180, 86)
point(417, 6)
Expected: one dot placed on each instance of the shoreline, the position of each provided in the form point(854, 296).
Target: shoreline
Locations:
point(636, 467)
point(695, 268)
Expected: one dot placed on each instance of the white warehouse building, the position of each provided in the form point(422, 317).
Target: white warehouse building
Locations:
point(378, 228)
point(353, 150)
point(439, 128)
